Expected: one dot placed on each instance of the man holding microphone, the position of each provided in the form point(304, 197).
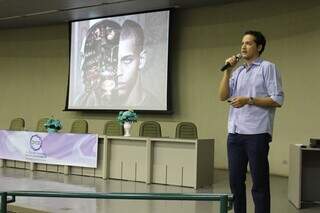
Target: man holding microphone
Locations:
point(254, 91)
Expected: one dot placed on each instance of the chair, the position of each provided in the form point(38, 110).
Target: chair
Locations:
point(150, 129)
point(40, 125)
point(17, 124)
point(186, 130)
point(79, 126)
point(113, 128)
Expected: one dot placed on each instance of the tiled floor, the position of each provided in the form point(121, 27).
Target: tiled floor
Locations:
point(18, 179)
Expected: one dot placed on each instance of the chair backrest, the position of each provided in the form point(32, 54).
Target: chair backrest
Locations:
point(40, 125)
point(187, 130)
point(150, 129)
point(17, 124)
point(79, 126)
point(113, 128)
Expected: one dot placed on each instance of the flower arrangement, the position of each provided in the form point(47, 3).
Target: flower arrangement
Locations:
point(127, 116)
point(53, 125)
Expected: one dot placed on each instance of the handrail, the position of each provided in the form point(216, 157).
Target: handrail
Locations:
point(226, 200)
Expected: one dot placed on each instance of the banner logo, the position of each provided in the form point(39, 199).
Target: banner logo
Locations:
point(35, 142)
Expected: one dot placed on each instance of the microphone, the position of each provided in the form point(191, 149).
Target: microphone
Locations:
point(227, 65)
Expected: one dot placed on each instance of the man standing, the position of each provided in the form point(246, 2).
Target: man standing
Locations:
point(254, 91)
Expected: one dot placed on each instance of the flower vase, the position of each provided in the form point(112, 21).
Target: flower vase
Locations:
point(52, 130)
point(127, 128)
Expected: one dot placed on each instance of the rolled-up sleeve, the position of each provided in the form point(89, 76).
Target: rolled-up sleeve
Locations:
point(274, 84)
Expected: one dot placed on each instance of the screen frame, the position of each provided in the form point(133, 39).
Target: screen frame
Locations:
point(169, 109)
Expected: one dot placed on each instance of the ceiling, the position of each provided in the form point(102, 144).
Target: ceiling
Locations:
point(27, 13)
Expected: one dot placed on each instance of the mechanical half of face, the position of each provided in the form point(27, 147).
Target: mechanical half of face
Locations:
point(99, 67)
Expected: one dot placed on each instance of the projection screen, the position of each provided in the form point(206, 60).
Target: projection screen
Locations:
point(119, 63)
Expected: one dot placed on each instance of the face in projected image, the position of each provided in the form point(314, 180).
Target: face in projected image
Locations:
point(111, 69)
point(99, 68)
point(131, 57)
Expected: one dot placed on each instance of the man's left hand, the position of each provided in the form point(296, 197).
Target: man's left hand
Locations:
point(239, 101)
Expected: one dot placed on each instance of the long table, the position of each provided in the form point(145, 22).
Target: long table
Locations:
point(172, 161)
point(304, 175)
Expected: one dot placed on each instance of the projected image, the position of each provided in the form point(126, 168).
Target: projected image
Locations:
point(120, 63)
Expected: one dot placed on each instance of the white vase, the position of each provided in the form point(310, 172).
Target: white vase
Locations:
point(127, 128)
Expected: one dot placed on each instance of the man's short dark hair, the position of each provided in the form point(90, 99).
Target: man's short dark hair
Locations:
point(259, 39)
point(131, 28)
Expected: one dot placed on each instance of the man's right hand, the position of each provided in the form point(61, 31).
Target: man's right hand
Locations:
point(232, 61)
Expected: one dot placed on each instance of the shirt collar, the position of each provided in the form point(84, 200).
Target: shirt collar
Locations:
point(256, 62)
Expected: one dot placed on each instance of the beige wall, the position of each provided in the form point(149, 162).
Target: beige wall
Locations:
point(34, 72)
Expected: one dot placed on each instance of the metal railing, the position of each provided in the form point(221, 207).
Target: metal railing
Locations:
point(226, 200)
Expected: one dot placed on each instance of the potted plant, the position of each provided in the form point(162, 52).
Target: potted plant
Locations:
point(126, 118)
point(53, 125)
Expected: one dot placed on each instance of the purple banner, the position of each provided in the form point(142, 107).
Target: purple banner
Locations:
point(50, 148)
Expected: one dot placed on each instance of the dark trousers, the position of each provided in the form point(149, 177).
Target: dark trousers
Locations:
point(253, 149)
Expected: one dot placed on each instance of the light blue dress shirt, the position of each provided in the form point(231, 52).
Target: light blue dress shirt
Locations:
point(260, 79)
